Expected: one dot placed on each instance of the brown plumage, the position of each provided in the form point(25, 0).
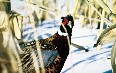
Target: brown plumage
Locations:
point(57, 44)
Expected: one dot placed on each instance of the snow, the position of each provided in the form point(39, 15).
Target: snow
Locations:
point(23, 8)
point(94, 61)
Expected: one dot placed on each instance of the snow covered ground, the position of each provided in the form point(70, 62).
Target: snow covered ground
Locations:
point(94, 61)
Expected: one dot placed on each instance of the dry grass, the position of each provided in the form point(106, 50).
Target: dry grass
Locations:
point(9, 52)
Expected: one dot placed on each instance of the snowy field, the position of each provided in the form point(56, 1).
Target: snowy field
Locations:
point(94, 61)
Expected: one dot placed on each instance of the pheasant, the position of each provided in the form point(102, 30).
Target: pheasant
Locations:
point(56, 44)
